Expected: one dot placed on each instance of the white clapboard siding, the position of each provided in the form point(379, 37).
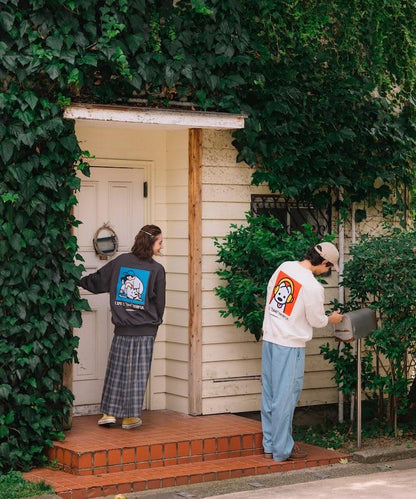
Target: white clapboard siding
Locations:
point(232, 358)
point(170, 194)
point(233, 369)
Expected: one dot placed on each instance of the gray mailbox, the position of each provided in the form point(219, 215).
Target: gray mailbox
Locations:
point(354, 326)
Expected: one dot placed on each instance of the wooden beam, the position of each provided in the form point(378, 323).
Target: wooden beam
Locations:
point(195, 270)
point(170, 118)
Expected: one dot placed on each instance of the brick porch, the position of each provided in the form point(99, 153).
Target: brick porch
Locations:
point(169, 449)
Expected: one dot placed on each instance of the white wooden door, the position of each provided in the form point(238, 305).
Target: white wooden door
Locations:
point(113, 196)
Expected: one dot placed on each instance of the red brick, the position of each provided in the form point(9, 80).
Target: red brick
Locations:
point(235, 443)
point(94, 492)
point(142, 453)
point(153, 484)
point(183, 449)
point(156, 451)
point(79, 494)
point(100, 459)
point(128, 455)
point(182, 480)
point(168, 482)
point(209, 445)
point(124, 488)
point(196, 447)
point(169, 450)
point(109, 490)
point(139, 486)
point(114, 457)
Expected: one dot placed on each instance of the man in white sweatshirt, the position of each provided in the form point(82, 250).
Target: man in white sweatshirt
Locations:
point(294, 306)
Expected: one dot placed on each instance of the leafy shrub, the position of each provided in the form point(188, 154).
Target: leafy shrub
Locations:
point(249, 255)
point(382, 274)
point(14, 486)
point(39, 298)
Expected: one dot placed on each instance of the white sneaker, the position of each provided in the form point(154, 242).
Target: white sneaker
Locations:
point(106, 419)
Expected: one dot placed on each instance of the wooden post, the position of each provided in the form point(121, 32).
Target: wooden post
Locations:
point(195, 271)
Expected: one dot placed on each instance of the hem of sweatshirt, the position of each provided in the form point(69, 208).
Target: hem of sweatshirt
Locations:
point(290, 344)
point(148, 330)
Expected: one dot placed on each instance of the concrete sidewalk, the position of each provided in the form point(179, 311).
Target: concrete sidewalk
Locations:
point(392, 484)
point(374, 473)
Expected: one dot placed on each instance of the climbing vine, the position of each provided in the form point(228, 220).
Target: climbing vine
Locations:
point(327, 88)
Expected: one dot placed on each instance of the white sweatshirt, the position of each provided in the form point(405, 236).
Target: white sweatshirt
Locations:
point(294, 306)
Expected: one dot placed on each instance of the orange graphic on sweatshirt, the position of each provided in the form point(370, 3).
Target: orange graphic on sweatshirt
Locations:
point(285, 293)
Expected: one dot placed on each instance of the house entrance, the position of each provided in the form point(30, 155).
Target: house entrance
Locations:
point(112, 196)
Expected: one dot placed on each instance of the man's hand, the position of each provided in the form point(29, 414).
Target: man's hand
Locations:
point(335, 317)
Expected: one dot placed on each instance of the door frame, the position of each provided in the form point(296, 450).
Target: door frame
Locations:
point(146, 167)
point(195, 122)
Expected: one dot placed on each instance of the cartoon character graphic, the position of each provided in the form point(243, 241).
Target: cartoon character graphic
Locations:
point(284, 294)
point(132, 285)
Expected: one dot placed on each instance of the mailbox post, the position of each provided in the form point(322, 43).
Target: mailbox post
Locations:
point(354, 326)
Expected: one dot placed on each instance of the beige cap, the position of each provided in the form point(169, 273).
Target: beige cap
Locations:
point(328, 251)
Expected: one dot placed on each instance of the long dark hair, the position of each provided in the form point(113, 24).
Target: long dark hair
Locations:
point(144, 240)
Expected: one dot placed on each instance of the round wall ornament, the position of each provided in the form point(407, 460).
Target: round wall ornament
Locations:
point(105, 242)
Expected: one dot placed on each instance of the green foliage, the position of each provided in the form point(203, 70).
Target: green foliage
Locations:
point(249, 255)
point(14, 486)
point(328, 90)
point(382, 273)
point(39, 298)
point(329, 436)
point(324, 107)
point(335, 435)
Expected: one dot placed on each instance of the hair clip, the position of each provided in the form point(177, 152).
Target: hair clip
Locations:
point(148, 233)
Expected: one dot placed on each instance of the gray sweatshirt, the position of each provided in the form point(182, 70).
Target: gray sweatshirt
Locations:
point(137, 293)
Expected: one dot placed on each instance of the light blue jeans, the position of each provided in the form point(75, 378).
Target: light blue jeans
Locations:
point(282, 381)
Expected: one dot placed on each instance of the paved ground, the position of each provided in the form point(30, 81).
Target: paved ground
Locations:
point(385, 473)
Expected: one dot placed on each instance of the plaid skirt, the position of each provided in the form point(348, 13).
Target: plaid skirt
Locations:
point(127, 374)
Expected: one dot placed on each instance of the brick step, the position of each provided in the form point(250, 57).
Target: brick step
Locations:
point(70, 486)
point(165, 439)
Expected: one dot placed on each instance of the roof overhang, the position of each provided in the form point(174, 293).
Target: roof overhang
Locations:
point(170, 118)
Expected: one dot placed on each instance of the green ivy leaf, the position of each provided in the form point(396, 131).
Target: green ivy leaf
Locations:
point(6, 150)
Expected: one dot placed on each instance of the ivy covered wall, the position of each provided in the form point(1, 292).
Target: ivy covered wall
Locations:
point(328, 90)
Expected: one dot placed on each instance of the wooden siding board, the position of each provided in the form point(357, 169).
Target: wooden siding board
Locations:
point(226, 175)
point(231, 388)
point(232, 351)
point(177, 386)
point(234, 212)
point(241, 403)
point(177, 299)
point(231, 369)
point(177, 351)
point(176, 403)
point(229, 193)
point(177, 334)
point(227, 334)
point(177, 369)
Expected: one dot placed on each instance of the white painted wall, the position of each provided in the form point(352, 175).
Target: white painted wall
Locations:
point(231, 358)
point(166, 155)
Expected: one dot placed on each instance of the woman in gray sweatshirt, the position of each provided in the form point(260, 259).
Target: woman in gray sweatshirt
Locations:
point(137, 287)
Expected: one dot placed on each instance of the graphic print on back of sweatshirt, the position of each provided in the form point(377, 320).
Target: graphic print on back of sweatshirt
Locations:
point(132, 287)
point(284, 295)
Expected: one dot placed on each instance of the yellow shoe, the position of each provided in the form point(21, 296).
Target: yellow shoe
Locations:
point(106, 419)
point(129, 423)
